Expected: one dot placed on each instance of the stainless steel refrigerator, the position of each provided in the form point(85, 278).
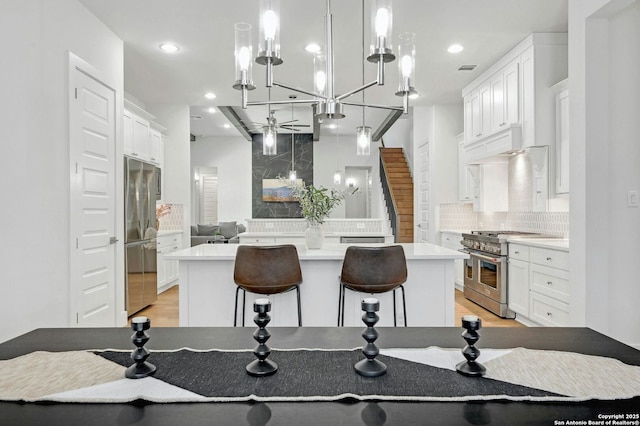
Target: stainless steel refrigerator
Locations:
point(142, 190)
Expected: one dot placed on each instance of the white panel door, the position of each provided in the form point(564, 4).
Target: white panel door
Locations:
point(92, 154)
point(423, 197)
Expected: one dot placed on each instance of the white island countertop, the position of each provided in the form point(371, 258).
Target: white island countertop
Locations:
point(412, 251)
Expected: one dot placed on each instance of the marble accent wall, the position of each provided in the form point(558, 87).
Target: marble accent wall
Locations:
point(272, 166)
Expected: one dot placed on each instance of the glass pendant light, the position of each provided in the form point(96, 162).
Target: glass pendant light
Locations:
point(292, 173)
point(337, 176)
point(269, 140)
point(383, 34)
point(363, 140)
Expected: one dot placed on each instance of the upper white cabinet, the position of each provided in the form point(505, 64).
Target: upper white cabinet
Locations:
point(516, 92)
point(142, 137)
point(505, 109)
point(562, 137)
point(465, 178)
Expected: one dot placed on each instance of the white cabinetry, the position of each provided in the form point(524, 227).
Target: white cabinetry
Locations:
point(168, 269)
point(465, 177)
point(142, 137)
point(516, 90)
point(539, 284)
point(562, 137)
point(451, 240)
point(518, 271)
point(504, 97)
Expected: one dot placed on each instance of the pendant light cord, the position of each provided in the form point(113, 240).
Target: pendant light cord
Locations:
point(362, 58)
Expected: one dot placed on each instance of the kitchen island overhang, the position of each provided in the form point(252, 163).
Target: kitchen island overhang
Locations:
point(207, 290)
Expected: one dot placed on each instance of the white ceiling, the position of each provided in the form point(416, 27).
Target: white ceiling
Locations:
point(204, 31)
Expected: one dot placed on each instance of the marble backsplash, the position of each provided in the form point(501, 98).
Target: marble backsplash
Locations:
point(460, 216)
point(173, 219)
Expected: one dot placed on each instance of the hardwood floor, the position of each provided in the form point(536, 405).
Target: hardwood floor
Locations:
point(164, 311)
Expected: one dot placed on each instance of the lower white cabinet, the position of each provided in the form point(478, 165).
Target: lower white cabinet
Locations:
point(451, 240)
point(539, 284)
point(168, 271)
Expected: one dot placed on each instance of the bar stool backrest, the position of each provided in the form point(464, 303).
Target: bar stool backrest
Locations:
point(267, 269)
point(374, 269)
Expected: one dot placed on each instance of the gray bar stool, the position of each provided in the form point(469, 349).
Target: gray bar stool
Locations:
point(373, 270)
point(266, 270)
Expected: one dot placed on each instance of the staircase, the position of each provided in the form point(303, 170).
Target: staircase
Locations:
point(400, 186)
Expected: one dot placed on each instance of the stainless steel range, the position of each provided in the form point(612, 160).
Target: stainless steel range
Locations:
point(485, 272)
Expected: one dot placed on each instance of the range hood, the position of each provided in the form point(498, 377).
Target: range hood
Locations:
point(491, 148)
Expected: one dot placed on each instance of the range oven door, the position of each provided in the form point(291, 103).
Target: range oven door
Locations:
point(490, 276)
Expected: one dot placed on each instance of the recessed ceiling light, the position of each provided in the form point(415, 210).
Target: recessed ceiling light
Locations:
point(169, 47)
point(312, 48)
point(210, 95)
point(211, 110)
point(455, 48)
point(227, 126)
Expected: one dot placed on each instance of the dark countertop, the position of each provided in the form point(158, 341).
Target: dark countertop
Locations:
point(580, 340)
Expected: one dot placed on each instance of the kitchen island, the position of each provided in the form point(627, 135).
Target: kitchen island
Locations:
point(207, 290)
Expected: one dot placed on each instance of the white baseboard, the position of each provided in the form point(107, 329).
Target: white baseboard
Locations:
point(167, 286)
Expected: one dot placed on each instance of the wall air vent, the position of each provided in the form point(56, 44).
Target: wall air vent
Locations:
point(466, 67)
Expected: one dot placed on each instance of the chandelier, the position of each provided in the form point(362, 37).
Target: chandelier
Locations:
point(329, 105)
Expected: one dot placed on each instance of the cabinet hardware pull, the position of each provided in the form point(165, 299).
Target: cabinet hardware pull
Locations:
point(549, 282)
point(548, 314)
point(502, 124)
point(478, 135)
point(548, 259)
point(516, 252)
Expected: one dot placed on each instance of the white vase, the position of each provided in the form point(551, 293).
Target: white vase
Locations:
point(314, 236)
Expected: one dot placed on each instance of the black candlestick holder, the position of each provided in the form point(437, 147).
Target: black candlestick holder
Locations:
point(470, 367)
point(262, 366)
point(370, 367)
point(141, 368)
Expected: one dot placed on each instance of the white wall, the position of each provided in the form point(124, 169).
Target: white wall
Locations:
point(177, 159)
point(604, 43)
point(329, 155)
point(34, 154)
point(439, 125)
point(232, 157)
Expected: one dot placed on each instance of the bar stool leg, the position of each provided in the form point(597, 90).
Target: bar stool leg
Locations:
point(394, 308)
point(404, 306)
point(235, 310)
point(339, 301)
point(299, 309)
point(342, 317)
point(244, 296)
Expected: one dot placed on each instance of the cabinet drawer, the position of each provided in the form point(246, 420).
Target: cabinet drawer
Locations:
point(553, 258)
point(548, 311)
point(551, 282)
point(517, 251)
point(263, 240)
point(451, 240)
point(174, 240)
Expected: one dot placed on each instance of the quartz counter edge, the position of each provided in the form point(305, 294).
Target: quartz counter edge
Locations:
point(549, 243)
point(413, 251)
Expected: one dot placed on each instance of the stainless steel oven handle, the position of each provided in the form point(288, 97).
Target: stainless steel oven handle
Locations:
point(498, 259)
